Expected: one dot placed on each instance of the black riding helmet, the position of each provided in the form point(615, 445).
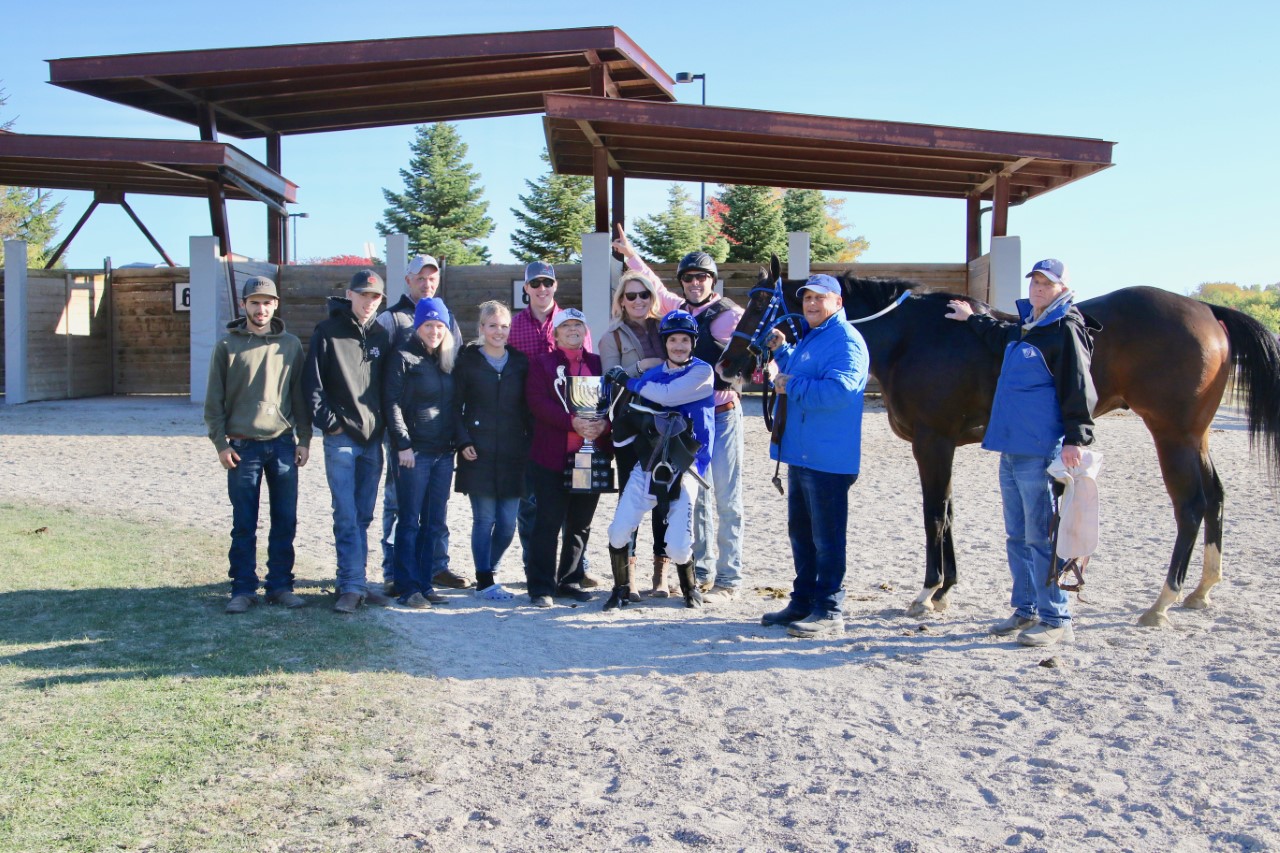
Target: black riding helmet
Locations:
point(700, 261)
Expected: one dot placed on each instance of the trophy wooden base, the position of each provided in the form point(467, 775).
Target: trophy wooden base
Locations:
point(588, 473)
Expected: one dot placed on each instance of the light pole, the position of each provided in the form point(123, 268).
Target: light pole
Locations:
point(689, 77)
point(295, 217)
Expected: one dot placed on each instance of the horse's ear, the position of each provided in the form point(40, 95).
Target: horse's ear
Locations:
point(775, 266)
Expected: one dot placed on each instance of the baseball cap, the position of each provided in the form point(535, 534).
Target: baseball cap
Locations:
point(430, 308)
point(822, 284)
point(367, 281)
point(417, 262)
point(538, 269)
point(566, 314)
point(1053, 269)
point(256, 285)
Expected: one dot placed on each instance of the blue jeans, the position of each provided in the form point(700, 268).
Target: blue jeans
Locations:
point(1026, 490)
point(390, 513)
point(725, 477)
point(493, 525)
point(276, 462)
point(817, 518)
point(353, 471)
point(423, 495)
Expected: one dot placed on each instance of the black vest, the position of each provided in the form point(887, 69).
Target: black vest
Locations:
point(706, 347)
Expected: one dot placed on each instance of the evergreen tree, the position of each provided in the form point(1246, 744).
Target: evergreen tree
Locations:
point(812, 212)
point(558, 210)
point(672, 234)
point(25, 214)
point(440, 209)
point(753, 224)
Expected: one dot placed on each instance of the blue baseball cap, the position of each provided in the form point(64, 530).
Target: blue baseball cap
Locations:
point(430, 308)
point(822, 284)
point(1053, 269)
point(538, 269)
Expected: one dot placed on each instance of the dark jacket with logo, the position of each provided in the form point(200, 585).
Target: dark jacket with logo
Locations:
point(493, 418)
point(419, 400)
point(343, 377)
point(1045, 396)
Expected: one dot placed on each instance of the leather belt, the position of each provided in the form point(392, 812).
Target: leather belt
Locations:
point(726, 407)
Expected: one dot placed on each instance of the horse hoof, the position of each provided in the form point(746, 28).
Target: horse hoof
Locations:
point(1196, 602)
point(940, 605)
point(920, 608)
point(1154, 620)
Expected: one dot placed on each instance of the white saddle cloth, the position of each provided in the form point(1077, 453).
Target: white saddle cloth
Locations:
point(1078, 507)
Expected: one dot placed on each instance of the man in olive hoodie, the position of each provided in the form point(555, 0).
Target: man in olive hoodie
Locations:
point(343, 384)
point(254, 406)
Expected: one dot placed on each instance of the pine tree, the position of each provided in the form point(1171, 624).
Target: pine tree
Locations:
point(25, 214)
point(672, 234)
point(558, 210)
point(812, 212)
point(753, 224)
point(440, 209)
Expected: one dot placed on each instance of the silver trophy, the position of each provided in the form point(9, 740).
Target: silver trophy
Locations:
point(585, 397)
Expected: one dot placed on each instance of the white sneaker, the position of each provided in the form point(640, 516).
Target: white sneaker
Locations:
point(1013, 624)
point(817, 625)
point(1045, 635)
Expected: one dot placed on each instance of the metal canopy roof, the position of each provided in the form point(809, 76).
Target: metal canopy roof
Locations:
point(153, 166)
point(310, 88)
point(735, 146)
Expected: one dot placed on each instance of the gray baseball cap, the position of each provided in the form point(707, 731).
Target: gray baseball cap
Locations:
point(256, 285)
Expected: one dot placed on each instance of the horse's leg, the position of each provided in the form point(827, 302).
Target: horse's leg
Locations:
point(934, 454)
point(940, 597)
point(1216, 497)
point(1180, 465)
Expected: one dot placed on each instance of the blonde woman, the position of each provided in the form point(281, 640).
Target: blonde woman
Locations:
point(419, 398)
point(633, 343)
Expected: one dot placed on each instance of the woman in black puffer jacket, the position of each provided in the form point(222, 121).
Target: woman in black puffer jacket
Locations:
point(494, 433)
point(422, 416)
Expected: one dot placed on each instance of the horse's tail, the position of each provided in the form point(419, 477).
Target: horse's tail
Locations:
point(1256, 357)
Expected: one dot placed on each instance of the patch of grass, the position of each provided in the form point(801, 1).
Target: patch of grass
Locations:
point(134, 714)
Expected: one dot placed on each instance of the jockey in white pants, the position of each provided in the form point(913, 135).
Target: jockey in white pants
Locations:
point(678, 392)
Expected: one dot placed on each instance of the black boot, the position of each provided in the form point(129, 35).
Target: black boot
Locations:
point(689, 585)
point(621, 565)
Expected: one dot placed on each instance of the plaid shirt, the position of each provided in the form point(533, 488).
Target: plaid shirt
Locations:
point(533, 338)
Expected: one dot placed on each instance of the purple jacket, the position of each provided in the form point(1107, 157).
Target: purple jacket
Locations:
point(551, 423)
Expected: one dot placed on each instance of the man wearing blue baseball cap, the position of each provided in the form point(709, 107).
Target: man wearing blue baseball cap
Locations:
point(1042, 407)
point(822, 379)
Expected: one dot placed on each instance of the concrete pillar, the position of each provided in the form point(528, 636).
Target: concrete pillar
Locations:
point(797, 254)
point(1006, 272)
point(397, 265)
point(208, 282)
point(597, 259)
point(15, 322)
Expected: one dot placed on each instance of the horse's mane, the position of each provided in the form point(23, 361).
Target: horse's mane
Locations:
point(878, 293)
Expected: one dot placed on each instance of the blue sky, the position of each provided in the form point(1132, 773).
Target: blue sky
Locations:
point(1189, 93)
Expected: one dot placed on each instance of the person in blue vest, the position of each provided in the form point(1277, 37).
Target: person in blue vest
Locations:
point(820, 380)
point(671, 398)
point(1043, 406)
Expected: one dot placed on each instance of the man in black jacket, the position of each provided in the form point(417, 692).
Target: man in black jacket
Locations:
point(343, 384)
point(421, 280)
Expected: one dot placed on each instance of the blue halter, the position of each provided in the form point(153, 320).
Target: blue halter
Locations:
point(775, 314)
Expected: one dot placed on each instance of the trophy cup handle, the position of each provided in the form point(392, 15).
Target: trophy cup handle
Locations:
point(561, 382)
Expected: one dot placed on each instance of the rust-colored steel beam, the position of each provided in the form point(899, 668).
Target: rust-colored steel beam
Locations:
point(1000, 207)
point(145, 233)
point(600, 174)
point(973, 227)
point(75, 229)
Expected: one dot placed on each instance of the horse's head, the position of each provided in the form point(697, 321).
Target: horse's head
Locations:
point(765, 309)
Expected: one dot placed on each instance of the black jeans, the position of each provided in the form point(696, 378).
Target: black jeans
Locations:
point(558, 509)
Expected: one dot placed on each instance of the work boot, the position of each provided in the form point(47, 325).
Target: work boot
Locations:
point(689, 585)
point(241, 603)
point(660, 589)
point(621, 565)
point(286, 598)
point(347, 602)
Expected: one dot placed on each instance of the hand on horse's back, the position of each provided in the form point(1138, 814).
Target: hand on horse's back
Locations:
point(959, 310)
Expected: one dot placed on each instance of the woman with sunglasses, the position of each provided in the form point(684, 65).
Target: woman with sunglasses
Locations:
point(633, 343)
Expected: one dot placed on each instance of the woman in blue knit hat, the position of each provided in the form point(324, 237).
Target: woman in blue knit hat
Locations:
point(419, 398)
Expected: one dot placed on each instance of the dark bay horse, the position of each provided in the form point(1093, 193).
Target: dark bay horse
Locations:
point(1167, 357)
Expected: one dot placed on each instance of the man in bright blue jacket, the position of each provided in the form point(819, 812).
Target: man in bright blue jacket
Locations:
point(820, 381)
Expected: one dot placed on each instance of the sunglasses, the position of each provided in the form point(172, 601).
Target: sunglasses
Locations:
point(632, 297)
point(538, 283)
point(693, 277)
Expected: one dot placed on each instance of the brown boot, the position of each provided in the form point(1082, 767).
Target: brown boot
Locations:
point(634, 594)
point(660, 589)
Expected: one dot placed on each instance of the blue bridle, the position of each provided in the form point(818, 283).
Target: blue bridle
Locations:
point(775, 314)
